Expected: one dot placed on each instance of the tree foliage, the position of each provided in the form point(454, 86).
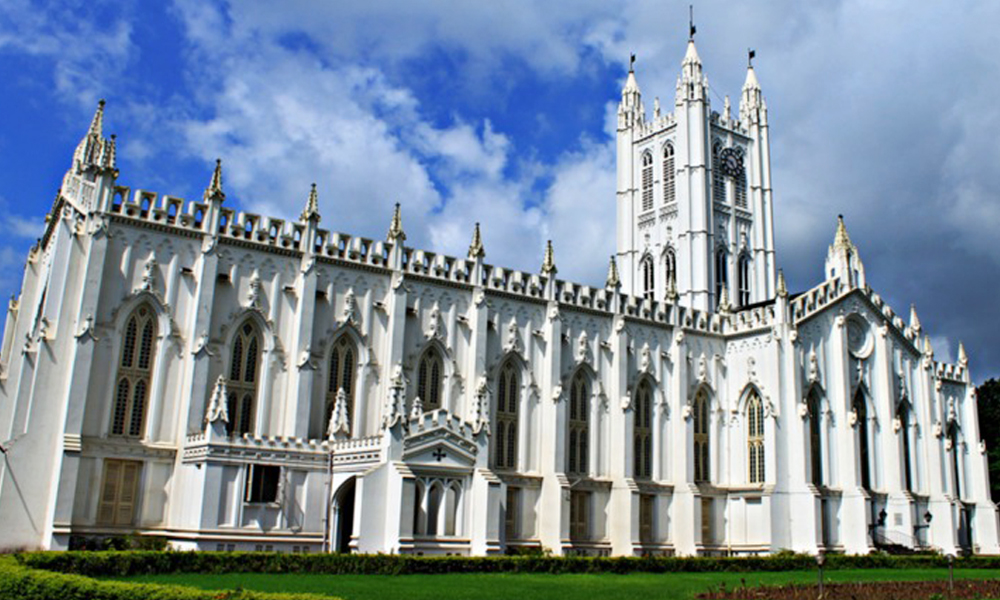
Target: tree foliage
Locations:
point(988, 395)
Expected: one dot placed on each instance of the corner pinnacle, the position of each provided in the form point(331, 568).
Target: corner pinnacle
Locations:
point(214, 189)
point(396, 227)
point(613, 280)
point(476, 249)
point(549, 262)
point(311, 210)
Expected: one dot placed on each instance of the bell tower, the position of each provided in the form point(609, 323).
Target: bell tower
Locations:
point(695, 218)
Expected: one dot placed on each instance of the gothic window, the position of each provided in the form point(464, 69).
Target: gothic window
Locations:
point(429, 376)
point(648, 278)
point(718, 179)
point(419, 514)
point(579, 515)
point(134, 373)
point(579, 429)
point(744, 280)
point(437, 507)
point(642, 438)
point(243, 375)
point(721, 272)
point(505, 446)
point(452, 497)
point(669, 175)
point(861, 410)
point(956, 464)
point(119, 492)
point(647, 181)
point(815, 447)
point(433, 508)
point(903, 414)
point(343, 365)
point(701, 439)
point(740, 182)
point(755, 438)
point(670, 267)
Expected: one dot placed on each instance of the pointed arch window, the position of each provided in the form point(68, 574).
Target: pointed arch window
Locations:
point(744, 280)
point(135, 369)
point(642, 437)
point(578, 425)
point(430, 374)
point(721, 272)
point(903, 414)
point(343, 365)
point(505, 446)
point(244, 367)
point(755, 438)
point(815, 441)
point(718, 179)
point(956, 463)
point(860, 408)
point(669, 175)
point(648, 278)
point(701, 437)
point(647, 181)
point(670, 267)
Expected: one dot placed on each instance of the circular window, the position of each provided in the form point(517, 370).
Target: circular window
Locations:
point(859, 336)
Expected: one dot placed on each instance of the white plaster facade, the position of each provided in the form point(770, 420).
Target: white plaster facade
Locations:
point(674, 410)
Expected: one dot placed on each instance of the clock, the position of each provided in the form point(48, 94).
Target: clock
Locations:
point(732, 162)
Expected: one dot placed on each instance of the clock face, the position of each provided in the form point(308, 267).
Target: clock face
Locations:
point(732, 163)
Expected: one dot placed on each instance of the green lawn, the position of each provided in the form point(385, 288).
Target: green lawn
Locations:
point(482, 586)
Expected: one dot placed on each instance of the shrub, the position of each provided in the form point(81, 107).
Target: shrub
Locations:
point(18, 582)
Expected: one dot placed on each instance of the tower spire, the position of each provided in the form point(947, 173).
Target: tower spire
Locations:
point(914, 319)
point(311, 211)
point(97, 123)
point(214, 189)
point(782, 286)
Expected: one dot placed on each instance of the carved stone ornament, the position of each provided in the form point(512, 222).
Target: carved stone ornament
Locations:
point(513, 342)
point(703, 369)
point(686, 412)
point(627, 399)
point(392, 412)
point(813, 367)
point(350, 308)
point(645, 359)
point(148, 275)
point(253, 291)
point(583, 354)
point(87, 330)
point(435, 324)
point(481, 407)
point(897, 424)
point(340, 421)
point(417, 409)
point(982, 446)
point(952, 411)
point(852, 418)
point(479, 297)
point(217, 405)
point(948, 444)
point(557, 393)
point(938, 429)
point(201, 345)
point(803, 410)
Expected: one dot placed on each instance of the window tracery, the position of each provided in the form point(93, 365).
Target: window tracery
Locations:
point(135, 368)
point(243, 375)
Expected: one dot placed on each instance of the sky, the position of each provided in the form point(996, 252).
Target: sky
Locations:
point(885, 111)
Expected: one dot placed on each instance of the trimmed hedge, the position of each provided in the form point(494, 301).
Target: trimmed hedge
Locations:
point(18, 582)
point(122, 564)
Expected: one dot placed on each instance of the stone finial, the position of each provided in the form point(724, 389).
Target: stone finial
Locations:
point(914, 319)
point(724, 305)
point(311, 211)
point(928, 350)
point(340, 420)
point(549, 262)
point(214, 189)
point(963, 358)
point(217, 406)
point(396, 227)
point(613, 280)
point(476, 249)
point(782, 287)
point(672, 294)
point(417, 410)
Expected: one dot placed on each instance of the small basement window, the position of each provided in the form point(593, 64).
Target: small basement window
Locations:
point(262, 483)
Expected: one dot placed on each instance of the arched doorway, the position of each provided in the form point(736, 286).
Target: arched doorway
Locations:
point(343, 516)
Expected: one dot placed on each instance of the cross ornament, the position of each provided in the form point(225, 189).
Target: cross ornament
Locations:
point(438, 454)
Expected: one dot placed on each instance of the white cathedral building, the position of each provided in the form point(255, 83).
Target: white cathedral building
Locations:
point(228, 380)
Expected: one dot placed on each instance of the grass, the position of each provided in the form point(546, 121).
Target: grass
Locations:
point(484, 586)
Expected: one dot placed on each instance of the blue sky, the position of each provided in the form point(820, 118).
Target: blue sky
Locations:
point(501, 112)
